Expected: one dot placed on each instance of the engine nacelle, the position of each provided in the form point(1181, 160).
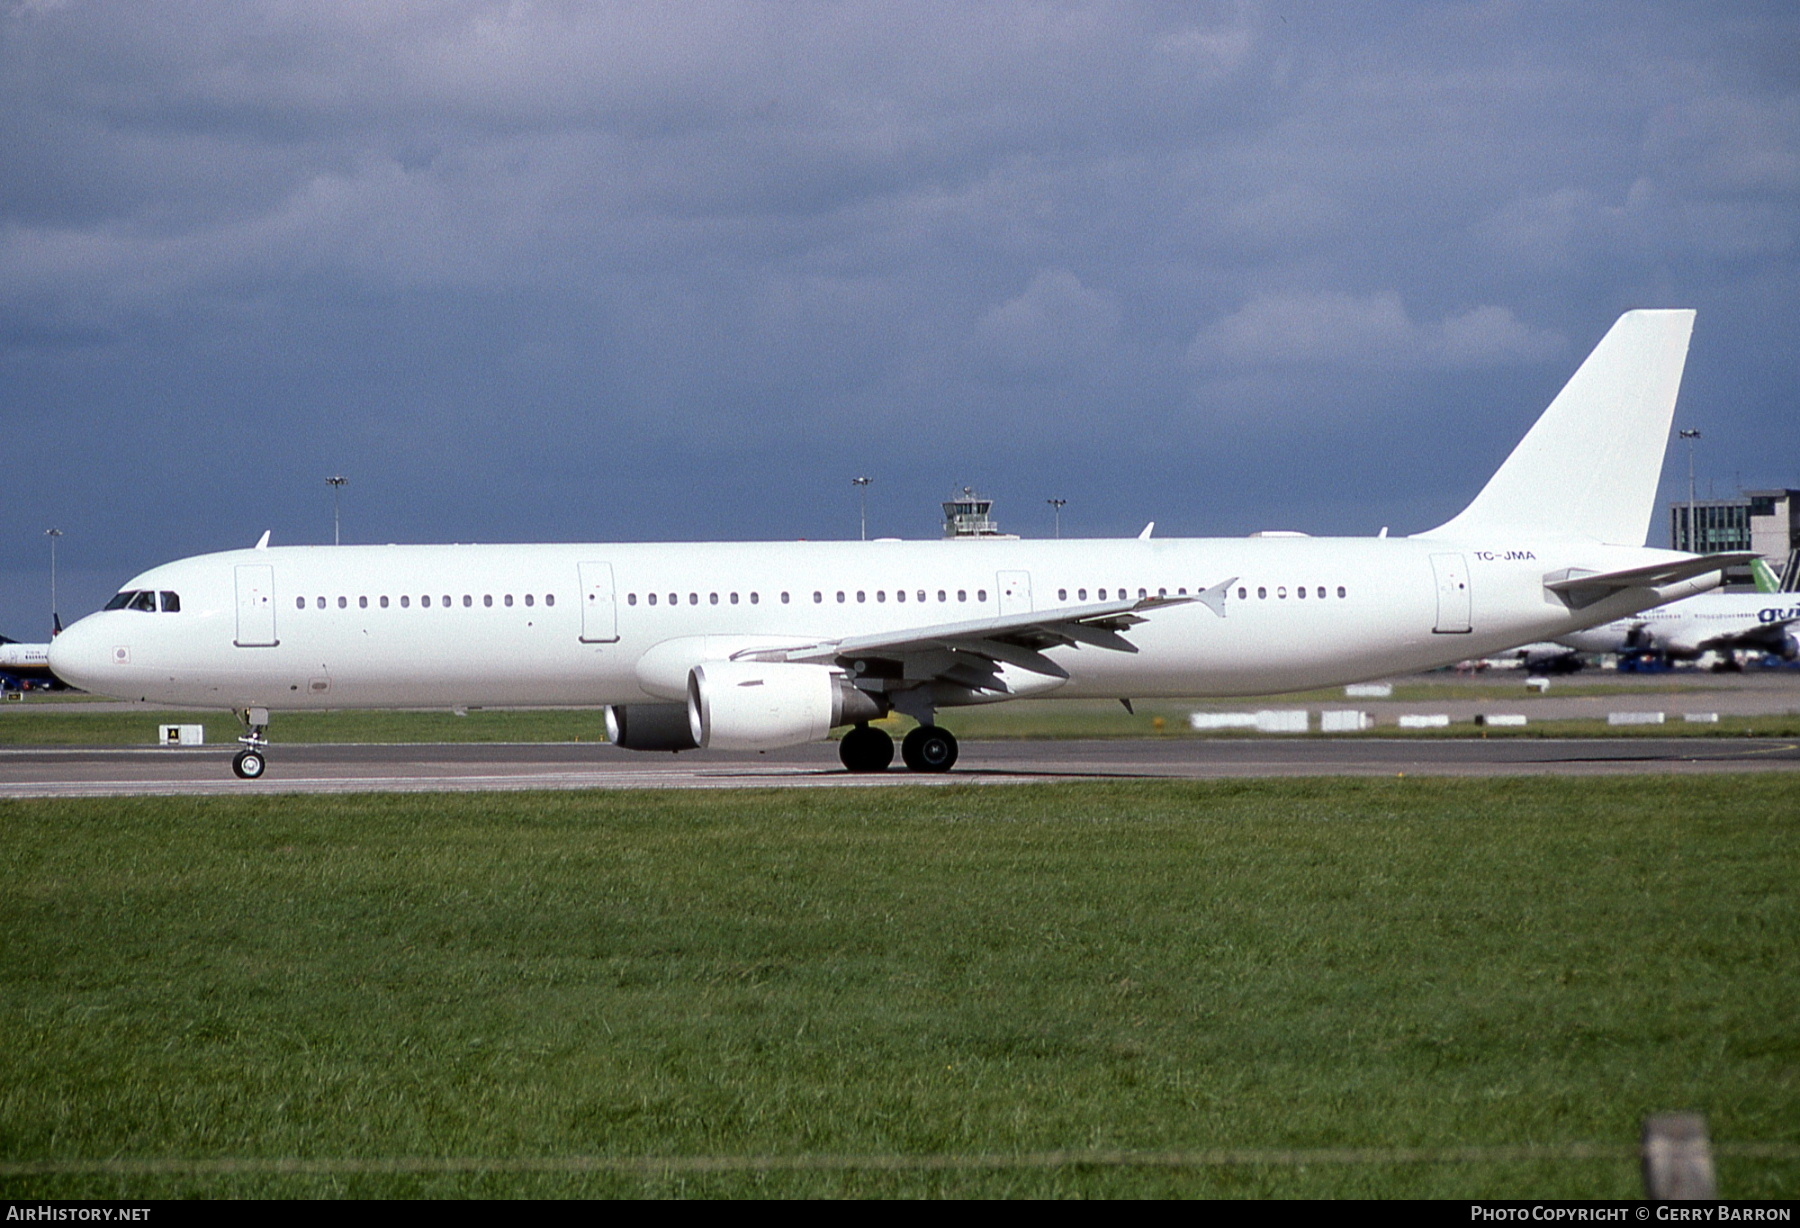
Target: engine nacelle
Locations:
point(1790, 647)
point(649, 727)
point(757, 705)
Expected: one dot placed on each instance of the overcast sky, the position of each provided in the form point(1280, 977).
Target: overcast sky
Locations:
point(548, 271)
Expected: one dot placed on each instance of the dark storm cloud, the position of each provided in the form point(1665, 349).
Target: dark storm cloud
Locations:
point(573, 270)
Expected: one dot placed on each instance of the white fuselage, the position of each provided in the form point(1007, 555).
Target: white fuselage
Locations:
point(423, 626)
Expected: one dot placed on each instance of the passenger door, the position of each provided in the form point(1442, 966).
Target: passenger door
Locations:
point(256, 606)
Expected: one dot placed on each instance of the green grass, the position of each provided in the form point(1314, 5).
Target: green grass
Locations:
point(958, 969)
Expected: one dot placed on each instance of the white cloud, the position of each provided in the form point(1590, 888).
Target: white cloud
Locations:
point(1287, 330)
point(1054, 323)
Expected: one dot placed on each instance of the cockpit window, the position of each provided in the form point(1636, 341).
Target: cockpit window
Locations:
point(121, 600)
point(171, 603)
point(145, 600)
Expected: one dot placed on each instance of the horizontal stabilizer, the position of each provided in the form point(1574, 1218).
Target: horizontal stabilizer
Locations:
point(1583, 588)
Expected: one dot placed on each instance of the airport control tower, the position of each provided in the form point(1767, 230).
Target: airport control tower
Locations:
point(969, 517)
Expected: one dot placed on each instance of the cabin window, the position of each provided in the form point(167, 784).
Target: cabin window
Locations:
point(899, 594)
point(652, 598)
point(754, 598)
point(840, 596)
point(507, 600)
point(1241, 593)
point(487, 599)
point(818, 597)
point(942, 596)
point(1341, 590)
point(1181, 591)
point(1143, 593)
point(921, 594)
point(467, 601)
point(962, 594)
point(1321, 592)
point(1062, 594)
point(425, 601)
point(1081, 594)
point(299, 603)
point(530, 599)
point(1281, 593)
point(1102, 594)
point(1262, 594)
point(362, 603)
point(384, 601)
point(343, 603)
point(981, 594)
point(447, 601)
point(734, 599)
point(1301, 592)
point(405, 601)
point(713, 598)
point(693, 599)
point(861, 596)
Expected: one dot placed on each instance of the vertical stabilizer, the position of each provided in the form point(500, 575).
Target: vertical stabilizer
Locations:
point(1591, 464)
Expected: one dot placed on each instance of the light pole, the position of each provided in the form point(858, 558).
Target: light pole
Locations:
point(55, 618)
point(337, 485)
point(1693, 536)
point(862, 486)
point(1058, 504)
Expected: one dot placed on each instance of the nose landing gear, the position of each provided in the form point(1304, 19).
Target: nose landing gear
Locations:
point(250, 763)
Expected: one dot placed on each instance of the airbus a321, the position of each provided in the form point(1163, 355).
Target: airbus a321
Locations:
point(754, 646)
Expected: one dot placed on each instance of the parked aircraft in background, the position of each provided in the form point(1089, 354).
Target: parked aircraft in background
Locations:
point(1723, 623)
point(762, 645)
point(25, 666)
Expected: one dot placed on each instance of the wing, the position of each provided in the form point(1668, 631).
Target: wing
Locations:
point(971, 654)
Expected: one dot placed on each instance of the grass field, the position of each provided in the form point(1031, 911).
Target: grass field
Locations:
point(954, 970)
point(71, 725)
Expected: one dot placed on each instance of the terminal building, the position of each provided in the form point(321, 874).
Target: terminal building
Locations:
point(1766, 521)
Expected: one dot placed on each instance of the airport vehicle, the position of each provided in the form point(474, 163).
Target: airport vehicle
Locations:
point(753, 646)
point(1723, 623)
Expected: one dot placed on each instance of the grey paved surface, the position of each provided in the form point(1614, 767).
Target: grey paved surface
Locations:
point(28, 772)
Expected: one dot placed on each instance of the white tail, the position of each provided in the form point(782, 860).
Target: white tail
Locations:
point(1590, 466)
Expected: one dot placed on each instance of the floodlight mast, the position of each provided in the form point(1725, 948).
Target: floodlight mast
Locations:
point(862, 487)
point(337, 482)
point(1692, 534)
point(1058, 504)
point(55, 617)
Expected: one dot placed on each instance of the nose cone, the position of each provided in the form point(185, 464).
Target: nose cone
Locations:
point(81, 656)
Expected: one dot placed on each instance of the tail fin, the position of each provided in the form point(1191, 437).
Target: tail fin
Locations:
point(1591, 465)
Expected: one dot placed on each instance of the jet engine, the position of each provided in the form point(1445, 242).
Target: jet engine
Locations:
point(649, 727)
point(757, 705)
point(1790, 647)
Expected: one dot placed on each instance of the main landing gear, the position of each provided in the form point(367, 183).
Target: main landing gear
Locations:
point(929, 749)
point(251, 762)
point(925, 749)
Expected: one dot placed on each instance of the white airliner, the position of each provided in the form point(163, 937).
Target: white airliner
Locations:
point(24, 663)
point(1724, 623)
point(761, 645)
